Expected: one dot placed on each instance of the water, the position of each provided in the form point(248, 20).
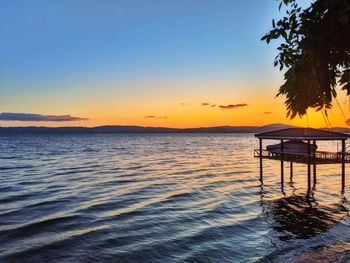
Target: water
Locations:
point(163, 198)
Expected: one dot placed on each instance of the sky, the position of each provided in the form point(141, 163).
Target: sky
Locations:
point(173, 63)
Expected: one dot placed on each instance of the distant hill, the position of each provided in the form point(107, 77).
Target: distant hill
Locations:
point(274, 126)
point(141, 129)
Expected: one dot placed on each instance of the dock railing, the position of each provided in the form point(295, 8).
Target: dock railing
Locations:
point(317, 157)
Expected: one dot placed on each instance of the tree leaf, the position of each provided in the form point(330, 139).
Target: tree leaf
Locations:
point(315, 50)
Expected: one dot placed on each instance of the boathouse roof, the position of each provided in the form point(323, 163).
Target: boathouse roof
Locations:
point(302, 134)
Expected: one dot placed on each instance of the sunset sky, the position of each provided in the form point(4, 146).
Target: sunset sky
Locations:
point(175, 63)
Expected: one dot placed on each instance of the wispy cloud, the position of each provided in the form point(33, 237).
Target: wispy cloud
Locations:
point(184, 103)
point(11, 116)
point(213, 105)
point(205, 104)
point(267, 112)
point(155, 117)
point(233, 106)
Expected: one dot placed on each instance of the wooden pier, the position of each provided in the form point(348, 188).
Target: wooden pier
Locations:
point(310, 158)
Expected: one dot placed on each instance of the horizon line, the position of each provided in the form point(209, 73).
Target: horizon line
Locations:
point(164, 127)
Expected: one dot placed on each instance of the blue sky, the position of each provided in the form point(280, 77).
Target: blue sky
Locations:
point(57, 37)
point(67, 57)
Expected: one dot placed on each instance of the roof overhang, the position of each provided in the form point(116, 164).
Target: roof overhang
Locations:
point(302, 138)
point(302, 134)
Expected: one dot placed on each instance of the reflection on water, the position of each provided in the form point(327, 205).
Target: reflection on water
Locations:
point(161, 198)
point(301, 216)
point(336, 253)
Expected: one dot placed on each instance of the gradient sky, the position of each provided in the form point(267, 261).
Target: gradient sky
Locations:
point(151, 63)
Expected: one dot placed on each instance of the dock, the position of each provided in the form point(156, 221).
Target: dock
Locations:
point(308, 137)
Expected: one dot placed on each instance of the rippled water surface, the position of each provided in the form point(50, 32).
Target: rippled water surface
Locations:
point(163, 198)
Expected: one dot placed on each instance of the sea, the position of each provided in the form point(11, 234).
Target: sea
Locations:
point(164, 198)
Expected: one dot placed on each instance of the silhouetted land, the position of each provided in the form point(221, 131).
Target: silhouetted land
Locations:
point(141, 129)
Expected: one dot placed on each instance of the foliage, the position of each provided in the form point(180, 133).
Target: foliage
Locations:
point(315, 51)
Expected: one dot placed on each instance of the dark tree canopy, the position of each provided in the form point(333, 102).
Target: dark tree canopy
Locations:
point(315, 51)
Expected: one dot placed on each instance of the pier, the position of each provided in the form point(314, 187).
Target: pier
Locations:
point(304, 151)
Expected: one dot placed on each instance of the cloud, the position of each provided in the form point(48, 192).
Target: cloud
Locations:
point(10, 116)
point(267, 112)
point(205, 104)
point(184, 103)
point(213, 105)
point(233, 106)
point(155, 117)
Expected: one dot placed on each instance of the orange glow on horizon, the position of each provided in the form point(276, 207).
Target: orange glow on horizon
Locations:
point(213, 104)
point(194, 114)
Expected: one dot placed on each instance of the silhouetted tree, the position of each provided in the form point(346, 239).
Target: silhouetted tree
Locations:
point(315, 51)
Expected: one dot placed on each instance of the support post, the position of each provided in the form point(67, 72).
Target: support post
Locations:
point(308, 168)
point(291, 170)
point(261, 164)
point(282, 168)
point(343, 165)
point(314, 162)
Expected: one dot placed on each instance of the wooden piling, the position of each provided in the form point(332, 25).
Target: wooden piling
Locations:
point(282, 168)
point(261, 164)
point(314, 164)
point(308, 167)
point(343, 165)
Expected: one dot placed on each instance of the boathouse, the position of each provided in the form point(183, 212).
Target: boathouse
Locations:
point(299, 145)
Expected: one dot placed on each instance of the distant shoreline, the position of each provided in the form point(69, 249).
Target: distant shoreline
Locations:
point(141, 129)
